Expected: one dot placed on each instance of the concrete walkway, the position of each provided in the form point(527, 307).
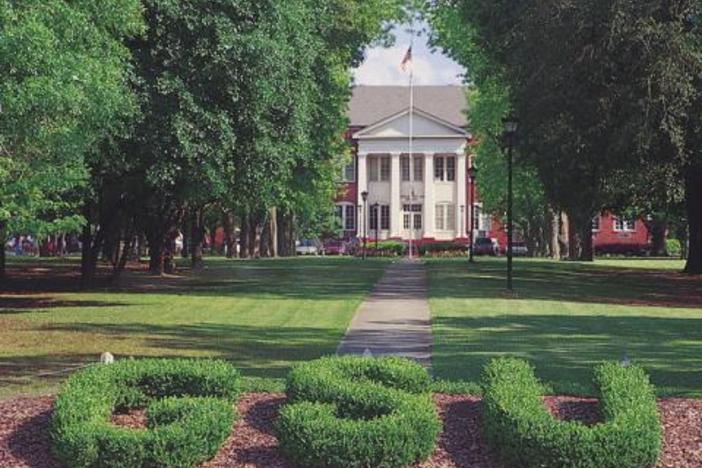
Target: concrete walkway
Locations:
point(394, 319)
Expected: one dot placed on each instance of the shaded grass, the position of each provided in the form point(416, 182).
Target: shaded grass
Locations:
point(261, 315)
point(566, 317)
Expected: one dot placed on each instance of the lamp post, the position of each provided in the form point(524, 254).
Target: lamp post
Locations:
point(472, 174)
point(364, 196)
point(511, 125)
point(376, 210)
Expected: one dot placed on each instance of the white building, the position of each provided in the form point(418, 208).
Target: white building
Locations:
point(424, 195)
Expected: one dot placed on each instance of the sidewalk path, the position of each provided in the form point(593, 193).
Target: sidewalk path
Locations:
point(394, 319)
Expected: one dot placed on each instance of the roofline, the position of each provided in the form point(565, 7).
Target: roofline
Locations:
point(359, 135)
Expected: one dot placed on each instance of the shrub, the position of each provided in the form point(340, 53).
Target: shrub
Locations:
point(189, 406)
point(672, 246)
point(443, 249)
point(521, 429)
point(386, 248)
point(358, 412)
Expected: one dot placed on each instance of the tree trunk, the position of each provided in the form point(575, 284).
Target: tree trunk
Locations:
point(273, 227)
point(282, 247)
point(127, 247)
point(197, 236)
point(92, 244)
point(187, 231)
point(229, 237)
point(563, 235)
point(554, 231)
point(693, 201)
point(156, 242)
point(580, 237)
point(658, 229)
point(3, 241)
point(244, 236)
point(255, 232)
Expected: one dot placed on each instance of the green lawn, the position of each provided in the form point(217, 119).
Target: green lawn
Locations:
point(568, 316)
point(262, 315)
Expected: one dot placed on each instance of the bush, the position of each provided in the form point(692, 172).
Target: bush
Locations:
point(189, 407)
point(624, 249)
point(672, 246)
point(358, 412)
point(443, 249)
point(521, 429)
point(386, 248)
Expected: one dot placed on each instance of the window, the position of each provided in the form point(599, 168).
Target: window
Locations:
point(373, 174)
point(406, 220)
point(596, 223)
point(418, 220)
point(379, 216)
point(373, 222)
point(623, 224)
point(405, 168)
point(445, 168)
point(347, 216)
point(450, 217)
point(384, 169)
point(349, 173)
point(418, 168)
point(415, 208)
point(385, 217)
point(446, 217)
point(438, 168)
point(450, 169)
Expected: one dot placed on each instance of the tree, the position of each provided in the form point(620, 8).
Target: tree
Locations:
point(601, 87)
point(61, 92)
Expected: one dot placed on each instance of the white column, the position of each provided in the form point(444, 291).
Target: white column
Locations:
point(429, 217)
point(461, 194)
point(395, 202)
point(361, 185)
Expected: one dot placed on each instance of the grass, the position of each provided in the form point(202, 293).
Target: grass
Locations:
point(263, 316)
point(566, 317)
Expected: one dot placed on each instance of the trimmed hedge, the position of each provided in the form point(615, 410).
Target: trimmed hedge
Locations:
point(189, 411)
point(358, 412)
point(443, 249)
point(525, 434)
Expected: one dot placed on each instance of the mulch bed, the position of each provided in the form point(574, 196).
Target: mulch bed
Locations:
point(24, 438)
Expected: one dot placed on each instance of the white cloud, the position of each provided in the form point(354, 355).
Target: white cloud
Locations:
point(382, 67)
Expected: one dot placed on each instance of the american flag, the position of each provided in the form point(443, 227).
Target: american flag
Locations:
point(407, 61)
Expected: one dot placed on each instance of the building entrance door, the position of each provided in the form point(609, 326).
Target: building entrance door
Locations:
point(412, 221)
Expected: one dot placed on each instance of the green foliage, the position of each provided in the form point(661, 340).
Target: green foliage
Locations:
point(443, 249)
point(63, 89)
point(672, 246)
point(189, 405)
point(356, 412)
point(525, 434)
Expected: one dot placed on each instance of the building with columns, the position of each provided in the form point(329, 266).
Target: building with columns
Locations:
point(421, 196)
point(425, 196)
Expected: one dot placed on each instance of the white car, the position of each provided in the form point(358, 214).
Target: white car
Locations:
point(308, 247)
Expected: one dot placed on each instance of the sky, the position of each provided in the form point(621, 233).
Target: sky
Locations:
point(382, 66)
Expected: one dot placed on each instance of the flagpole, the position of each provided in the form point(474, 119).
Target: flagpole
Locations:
point(411, 133)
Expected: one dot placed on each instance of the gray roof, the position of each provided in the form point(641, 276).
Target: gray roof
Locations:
point(371, 104)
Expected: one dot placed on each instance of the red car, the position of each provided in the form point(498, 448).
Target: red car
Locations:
point(334, 247)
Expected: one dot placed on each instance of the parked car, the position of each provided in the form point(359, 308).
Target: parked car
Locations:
point(520, 249)
point(334, 247)
point(308, 247)
point(486, 246)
